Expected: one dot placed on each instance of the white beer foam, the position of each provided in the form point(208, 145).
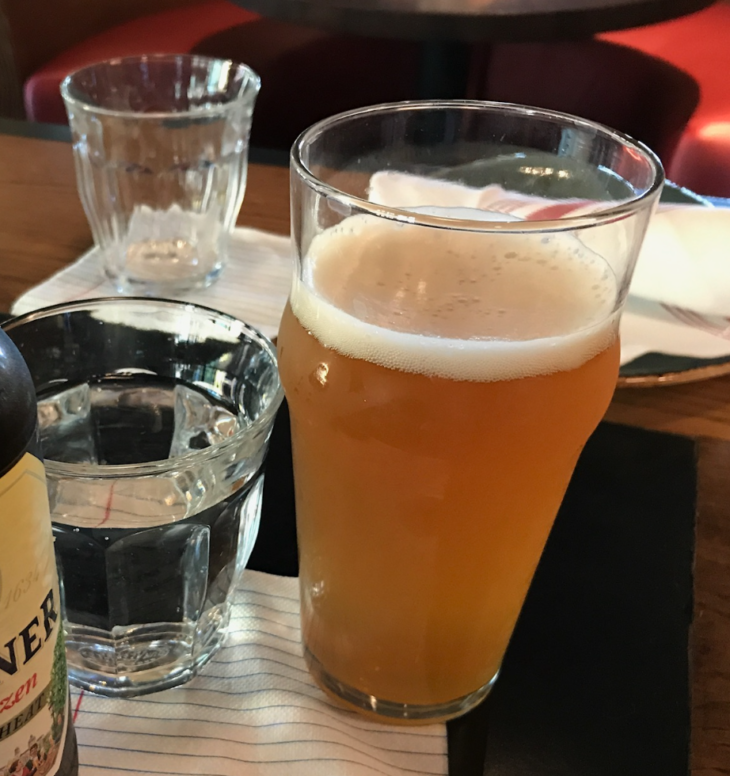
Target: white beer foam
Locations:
point(481, 360)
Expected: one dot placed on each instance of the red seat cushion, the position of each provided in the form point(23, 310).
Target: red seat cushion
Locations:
point(176, 31)
point(699, 44)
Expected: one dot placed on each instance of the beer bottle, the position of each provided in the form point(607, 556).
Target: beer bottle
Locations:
point(36, 729)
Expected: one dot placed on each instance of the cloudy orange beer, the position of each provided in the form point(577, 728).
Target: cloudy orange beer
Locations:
point(441, 385)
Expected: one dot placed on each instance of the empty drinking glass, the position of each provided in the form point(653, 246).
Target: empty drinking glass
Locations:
point(161, 149)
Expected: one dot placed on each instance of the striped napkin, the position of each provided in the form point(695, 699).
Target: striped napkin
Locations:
point(253, 711)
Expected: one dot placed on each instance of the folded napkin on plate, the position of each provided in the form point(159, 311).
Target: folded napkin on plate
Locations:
point(253, 710)
point(253, 287)
point(685, 260)
point(679, 300)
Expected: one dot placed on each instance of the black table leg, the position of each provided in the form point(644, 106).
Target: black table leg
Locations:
point(443, 70)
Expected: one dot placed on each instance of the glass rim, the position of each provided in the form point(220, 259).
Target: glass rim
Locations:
point(615, 211)
point(86, 105)
point(187, 460)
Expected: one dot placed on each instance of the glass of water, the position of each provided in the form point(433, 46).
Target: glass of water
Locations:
point(161, 149)
point(155, 418)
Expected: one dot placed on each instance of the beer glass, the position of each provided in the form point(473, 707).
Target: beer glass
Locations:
point(445, 361)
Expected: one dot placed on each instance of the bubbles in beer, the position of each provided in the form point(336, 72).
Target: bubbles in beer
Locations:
point(465, 305)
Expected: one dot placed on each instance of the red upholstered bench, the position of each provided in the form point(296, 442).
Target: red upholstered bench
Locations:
point(699, 44)
point(175, 31)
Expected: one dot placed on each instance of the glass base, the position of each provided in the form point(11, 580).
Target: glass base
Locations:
point(392, 711)
point(116, 686)
point(141, 659)
point(163, 285)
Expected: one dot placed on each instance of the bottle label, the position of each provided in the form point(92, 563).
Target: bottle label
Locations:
point(33, 681)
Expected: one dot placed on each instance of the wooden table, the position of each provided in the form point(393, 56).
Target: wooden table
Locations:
point(43, 228)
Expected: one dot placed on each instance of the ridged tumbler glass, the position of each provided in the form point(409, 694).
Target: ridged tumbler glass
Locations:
point(161, 149)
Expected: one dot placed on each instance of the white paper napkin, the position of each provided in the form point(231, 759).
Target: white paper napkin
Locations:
point(685, 260)
point(253, 711)
point(253, 286)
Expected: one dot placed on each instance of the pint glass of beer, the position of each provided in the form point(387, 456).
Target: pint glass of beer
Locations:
point(450, 343)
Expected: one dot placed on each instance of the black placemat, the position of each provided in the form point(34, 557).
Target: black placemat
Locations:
point(596, 679)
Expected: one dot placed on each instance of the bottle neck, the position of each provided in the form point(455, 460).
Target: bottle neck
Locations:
point(18, 413)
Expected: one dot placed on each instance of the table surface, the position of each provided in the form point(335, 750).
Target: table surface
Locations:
point(43, 228)
point(474, 20)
